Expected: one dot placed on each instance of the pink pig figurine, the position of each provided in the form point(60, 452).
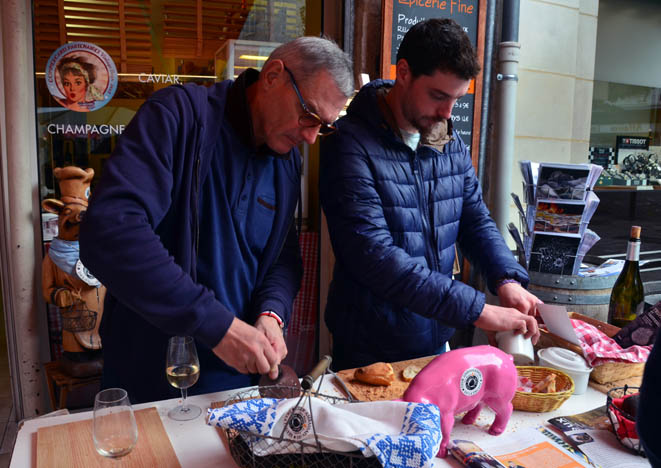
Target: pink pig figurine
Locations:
point(464, 380)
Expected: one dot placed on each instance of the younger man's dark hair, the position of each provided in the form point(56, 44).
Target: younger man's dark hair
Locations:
point(439, 44)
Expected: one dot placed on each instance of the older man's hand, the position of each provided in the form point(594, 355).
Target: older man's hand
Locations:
point(271, 329)
point(247, 349)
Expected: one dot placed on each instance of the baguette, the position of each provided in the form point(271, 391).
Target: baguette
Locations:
point(410, 372)
point(379, 373)
point(547, 385)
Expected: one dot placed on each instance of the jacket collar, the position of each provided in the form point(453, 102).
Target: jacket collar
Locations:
point(437, 138)
point(237, 112)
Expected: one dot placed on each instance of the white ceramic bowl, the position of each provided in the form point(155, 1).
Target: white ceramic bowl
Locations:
point(570, 363)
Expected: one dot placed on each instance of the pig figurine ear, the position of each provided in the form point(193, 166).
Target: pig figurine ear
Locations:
point(52, 205)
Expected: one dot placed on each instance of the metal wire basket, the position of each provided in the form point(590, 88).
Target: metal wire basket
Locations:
point(244, 445)
point(624, 423)
point(77, 318)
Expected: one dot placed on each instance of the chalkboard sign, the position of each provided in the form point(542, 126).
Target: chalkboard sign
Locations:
point(400, 15)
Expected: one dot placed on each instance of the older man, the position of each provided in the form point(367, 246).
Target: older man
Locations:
point(191, 225)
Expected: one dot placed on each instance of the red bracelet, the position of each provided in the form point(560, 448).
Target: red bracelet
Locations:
point(270, 313)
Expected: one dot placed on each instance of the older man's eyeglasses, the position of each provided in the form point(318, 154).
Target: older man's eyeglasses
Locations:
point(309, 118)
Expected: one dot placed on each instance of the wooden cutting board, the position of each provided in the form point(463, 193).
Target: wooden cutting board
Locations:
point(71, 446)
point(635, 381)
point(366, 392)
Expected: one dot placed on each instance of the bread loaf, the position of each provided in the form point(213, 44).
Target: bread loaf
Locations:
point(410, 372)
point(547, 385)
point(379, 373)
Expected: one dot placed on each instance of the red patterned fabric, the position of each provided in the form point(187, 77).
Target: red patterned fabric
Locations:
point(54, 324)
point(301, 336)
point(599, 348)
point(54, 331)
point(625, 428)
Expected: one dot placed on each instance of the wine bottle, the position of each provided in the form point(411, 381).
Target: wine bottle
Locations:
point(627, 296)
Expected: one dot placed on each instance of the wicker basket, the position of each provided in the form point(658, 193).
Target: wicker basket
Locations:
point(603, 373)
point(542, 402)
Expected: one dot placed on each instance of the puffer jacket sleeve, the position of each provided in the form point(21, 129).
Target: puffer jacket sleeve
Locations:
point(118, 242)
point(362, 241)
point(479, 237)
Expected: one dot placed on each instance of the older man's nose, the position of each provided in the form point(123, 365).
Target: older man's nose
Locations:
point(310, 134)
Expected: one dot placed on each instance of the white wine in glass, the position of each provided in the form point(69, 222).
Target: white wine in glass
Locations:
point(182, 368)
point(114, 428)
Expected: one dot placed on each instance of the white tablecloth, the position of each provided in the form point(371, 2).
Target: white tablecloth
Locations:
point(198, 445)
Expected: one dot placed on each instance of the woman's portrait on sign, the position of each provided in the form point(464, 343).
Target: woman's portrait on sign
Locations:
point(82, 78)
point(78, 78)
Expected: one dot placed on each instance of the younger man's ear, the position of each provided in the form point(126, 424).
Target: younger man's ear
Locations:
point(402, 70)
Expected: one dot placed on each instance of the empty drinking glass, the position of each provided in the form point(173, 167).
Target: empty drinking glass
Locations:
point(114, 428)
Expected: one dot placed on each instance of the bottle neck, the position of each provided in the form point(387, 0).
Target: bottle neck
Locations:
point(633, 250)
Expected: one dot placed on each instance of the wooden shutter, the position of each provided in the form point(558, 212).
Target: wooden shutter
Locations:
point(197, 28)
point(120, 27)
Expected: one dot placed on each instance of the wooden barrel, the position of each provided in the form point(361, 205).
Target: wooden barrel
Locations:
point(586, 295)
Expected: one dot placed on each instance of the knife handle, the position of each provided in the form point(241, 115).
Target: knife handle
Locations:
point(319, 369)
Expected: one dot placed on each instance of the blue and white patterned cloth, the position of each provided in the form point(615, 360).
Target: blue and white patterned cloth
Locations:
point(398, 433)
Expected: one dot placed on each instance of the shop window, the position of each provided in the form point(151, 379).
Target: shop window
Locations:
point(120, 52)
point(153, 44)
point(625, 109)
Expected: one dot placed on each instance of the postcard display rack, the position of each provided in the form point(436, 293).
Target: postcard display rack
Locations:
point(559, 203)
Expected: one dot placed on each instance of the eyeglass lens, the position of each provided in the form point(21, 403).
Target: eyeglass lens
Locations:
point(309, 118)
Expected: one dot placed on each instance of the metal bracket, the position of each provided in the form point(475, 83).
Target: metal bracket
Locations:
point(501, 77)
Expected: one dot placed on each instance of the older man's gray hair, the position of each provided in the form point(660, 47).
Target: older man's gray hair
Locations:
point(306, 56)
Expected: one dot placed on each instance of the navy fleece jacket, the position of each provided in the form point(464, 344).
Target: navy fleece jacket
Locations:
point(140, 234)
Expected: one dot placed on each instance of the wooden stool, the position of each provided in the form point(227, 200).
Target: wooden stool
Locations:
point(64, 382)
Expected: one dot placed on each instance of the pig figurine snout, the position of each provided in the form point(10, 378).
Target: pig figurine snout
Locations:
point(464, 380)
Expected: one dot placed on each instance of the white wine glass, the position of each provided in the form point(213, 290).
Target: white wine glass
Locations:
point(182, 368)
point(114, 429)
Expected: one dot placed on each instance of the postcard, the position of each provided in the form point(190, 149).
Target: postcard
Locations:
point(559, 216)
point(557, 322)
point(534, 447)
point(567, 181)
point(514, 232)
point(567, 216)
point(529, 171)
point(554, 253)
point(470, 455)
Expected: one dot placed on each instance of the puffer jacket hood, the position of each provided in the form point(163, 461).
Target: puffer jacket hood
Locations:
point(365, 105)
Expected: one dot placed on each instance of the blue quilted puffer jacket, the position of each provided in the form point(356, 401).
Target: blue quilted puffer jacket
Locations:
point(394, 216)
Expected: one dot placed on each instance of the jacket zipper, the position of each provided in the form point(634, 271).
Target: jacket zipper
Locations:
point(427, 230)
point(196, 233)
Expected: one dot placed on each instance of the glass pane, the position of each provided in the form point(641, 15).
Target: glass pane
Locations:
point(116, 54)
point(96, 62)
point(624, 109)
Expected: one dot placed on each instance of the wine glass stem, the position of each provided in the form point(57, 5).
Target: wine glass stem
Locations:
point(184, 393)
